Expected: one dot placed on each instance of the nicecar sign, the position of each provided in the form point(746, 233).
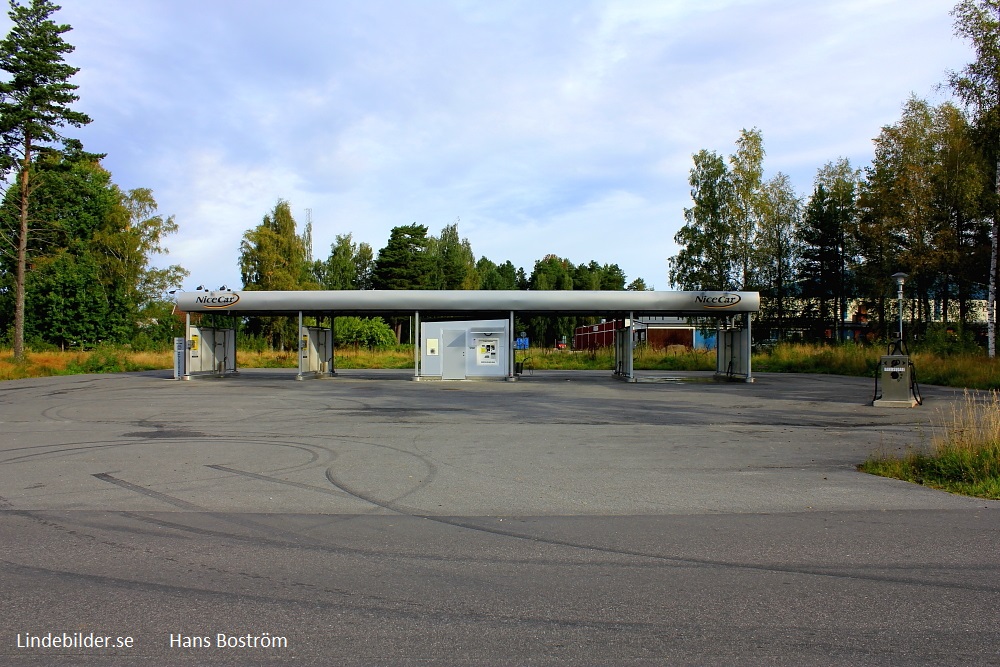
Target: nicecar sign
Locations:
point(717, 300)
point(217, 301)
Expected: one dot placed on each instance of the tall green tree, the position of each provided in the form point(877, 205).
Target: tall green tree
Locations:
point(778, 249)
point(348, 268)
point(405, 262)
point(274, 256)
point(746, 172)
point(908, 188)
point(456, 263)
point(922, 213)
point(128, 248)
point(364, 266)
point(718, 240)
point(827, 253)
point(500, 277)
point(587, 276)
point(962, 178)
point(551, 273)
point(978, 86)
point(612, 277)
point(340, 270)
point(91, 278)
point(705, 260)
point(35, 102)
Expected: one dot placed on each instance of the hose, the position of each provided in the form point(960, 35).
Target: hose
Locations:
point(914, 387)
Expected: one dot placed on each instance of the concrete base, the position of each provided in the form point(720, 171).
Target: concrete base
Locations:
point(469, 378)
point(883, 403)
point(725, 377)
point(315, 376)
point(208, 375)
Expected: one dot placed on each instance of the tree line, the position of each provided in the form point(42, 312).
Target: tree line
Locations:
point(926, 207)
point(75, 249)
point(275, 255)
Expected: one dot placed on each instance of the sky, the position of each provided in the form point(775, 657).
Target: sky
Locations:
point(541, 127)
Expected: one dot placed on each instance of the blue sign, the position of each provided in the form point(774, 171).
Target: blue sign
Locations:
point(521, 343)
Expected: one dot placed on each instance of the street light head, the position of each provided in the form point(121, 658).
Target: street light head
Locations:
point(900, 277)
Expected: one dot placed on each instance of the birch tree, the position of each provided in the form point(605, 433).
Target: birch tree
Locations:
point(978, 86)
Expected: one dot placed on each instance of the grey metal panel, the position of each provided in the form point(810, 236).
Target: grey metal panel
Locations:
point(441, 301)
point(453, 354)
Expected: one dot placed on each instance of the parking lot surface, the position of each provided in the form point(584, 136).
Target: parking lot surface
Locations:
point(564, 519)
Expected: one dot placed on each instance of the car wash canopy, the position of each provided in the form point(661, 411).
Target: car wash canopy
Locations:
point(731, 309)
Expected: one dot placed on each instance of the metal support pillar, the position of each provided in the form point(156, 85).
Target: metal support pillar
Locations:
point(298, 336)
point(187, 347)
point(630, 362)
point(734, 349)
point(416, 345)
point(236, 336)
point(510, 349)
point(333, 345)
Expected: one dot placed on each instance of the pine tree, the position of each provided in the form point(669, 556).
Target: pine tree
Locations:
point(405, 263)
point(34, 104)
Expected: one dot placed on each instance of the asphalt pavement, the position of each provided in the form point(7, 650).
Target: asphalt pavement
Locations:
point(564, 519)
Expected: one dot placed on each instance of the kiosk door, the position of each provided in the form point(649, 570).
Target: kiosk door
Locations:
point(453, 355)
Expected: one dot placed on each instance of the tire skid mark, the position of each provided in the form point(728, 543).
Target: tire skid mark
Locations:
point(676, 561)
point(655, 560)
point(432, 470)
point(149, 493)
point(63, 449)
point(318, 546)
point(276, 480)
point(76, 447)
point(77, 529)
point(294, 539)
point(368, 604)
point(133, 583)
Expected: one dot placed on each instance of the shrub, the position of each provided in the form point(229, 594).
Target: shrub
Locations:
point(947, 340)
point(103, 360)
point(252, 342)
point(370, 332)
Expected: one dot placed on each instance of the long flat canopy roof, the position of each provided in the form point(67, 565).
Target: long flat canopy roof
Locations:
point(704, 304)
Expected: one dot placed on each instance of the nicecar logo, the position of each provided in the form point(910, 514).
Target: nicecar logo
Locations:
point(217, 301)
point(717, 300)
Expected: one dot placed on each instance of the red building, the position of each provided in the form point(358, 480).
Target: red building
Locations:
point(657, 333)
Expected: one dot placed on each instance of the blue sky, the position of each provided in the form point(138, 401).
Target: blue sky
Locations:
point(542, 126)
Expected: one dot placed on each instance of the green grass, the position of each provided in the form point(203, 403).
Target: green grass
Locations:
point(964, 455)
point(101, 360)
point(973, 371)
point(604, 359)
point(827, 359)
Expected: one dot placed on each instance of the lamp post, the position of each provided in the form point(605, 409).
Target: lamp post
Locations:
point(900, 279)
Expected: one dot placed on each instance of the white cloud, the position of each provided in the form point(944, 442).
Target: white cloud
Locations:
point(546, 127)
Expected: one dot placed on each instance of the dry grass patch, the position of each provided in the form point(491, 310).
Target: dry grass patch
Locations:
point(102, 360)
point(964, 456)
